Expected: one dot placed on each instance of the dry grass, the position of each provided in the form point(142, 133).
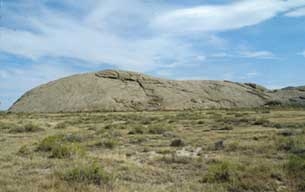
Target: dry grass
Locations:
point(257, 150)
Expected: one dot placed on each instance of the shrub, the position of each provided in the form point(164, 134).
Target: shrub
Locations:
point(30, 127)
point(239, 178)
point(177, 143)
point(147, 121)
point(295, 168)
point(158, 129)
point(24, 150)
point(66, 151)
point(277, 125)
point(170, 121)
point(48, 143)
point(286, 133)
point(7, 125)
point(295, 144)
point(107, 143)
point(17, 130)
point(73, 138)
point(61, 151)
point(262, 122)
point(107, 127)
point(219, 172)
point(89, 174)
point(233, 146)
point(137, 130)
point(274, 103)
point(219, 145)
point(239, 115)
point(224, 128)
point(200, 122)
point(59, 147)
point(27, 128)
point(61, 125)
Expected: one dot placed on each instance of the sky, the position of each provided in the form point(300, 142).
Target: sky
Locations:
point(260, 41)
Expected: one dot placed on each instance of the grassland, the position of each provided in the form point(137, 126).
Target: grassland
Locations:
point(212, 151)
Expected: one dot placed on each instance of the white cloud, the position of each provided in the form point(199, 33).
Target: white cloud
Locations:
point(221, 55)
point(245, 54)
point(126, 34)
point(110, 33)
point(303, 53)
point(257, 54)
point(252, 74)
point(223, 17)
point(296, 13)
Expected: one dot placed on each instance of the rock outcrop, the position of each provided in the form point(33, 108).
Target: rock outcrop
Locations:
point(114, 90)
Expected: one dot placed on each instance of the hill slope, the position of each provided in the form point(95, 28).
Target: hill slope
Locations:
point(114, 90)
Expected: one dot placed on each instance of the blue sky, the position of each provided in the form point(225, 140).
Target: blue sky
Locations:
point(240, 40)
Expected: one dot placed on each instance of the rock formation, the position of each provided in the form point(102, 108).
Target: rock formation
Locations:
point(114, 90)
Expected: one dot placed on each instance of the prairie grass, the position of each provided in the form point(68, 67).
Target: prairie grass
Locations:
point(261, 150)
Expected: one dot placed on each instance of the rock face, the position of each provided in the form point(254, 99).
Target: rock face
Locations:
point(114, 90)
point(293, 96)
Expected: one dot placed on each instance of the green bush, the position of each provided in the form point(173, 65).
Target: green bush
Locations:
point(107, 143)
point(219, 172)
point(24, 150)
point(61, 125)
point(73, 138)
point(30, 127)
point(48, 143)
point(295, 168)
point(238, 177)
point(262, 122)
point(158, 129)
point(293, 144)
point(137, 130)
point(66, 151)
point(17, 130)
point(27, 128)
point(274, 103)
point(61, 152)
point(233, 146)
point(177, 143)
point(7, 125)
point(59, 147)
point(90, 174)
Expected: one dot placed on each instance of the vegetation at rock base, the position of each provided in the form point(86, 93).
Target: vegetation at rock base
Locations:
point(210, 150)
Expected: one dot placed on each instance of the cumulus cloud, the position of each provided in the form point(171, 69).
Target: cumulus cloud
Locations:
point(296, 13)
point(110, 33)
point(223, 17)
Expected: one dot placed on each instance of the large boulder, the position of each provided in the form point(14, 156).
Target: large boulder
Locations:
point(114, 90)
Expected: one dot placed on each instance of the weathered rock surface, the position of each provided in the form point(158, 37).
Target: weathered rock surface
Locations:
point(114, 90)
